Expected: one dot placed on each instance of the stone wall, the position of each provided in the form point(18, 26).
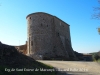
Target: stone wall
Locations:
point(40, 34)
point(22, 48)
point(48, 36)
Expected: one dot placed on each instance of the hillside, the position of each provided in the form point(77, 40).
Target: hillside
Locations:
point(14, 63)
point(93, 53)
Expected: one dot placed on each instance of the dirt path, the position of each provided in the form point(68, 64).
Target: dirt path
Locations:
point(75, 67)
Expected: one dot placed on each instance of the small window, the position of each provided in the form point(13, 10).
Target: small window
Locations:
point(30, 17)
point(58, 34)
point(31, 43)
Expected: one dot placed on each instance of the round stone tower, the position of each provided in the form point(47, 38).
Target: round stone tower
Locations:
point(48, 37)
point(40, 34)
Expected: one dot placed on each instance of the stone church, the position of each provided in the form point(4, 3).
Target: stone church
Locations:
point(48, 37)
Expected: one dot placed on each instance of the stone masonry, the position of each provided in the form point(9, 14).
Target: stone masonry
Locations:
point(48, 37)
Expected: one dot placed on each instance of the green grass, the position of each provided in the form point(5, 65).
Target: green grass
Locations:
point(98, 60)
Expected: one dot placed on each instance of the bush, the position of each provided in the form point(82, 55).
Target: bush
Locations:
point(96, 56)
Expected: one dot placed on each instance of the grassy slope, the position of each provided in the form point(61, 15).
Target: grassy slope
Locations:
point(11, 58)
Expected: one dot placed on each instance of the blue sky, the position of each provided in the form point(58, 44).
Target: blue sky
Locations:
point(77, 13)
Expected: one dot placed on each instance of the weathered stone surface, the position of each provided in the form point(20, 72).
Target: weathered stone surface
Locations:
point(22, 48)
point(47, 36)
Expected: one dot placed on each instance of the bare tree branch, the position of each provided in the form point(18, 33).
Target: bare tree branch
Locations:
point(97, 14)
point(96, 8)
point(99, 1)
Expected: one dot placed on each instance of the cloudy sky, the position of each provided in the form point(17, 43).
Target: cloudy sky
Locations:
point(77, 13)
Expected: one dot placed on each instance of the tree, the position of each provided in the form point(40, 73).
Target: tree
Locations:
point(97, 56)
point(98, 30)
point(96, 15)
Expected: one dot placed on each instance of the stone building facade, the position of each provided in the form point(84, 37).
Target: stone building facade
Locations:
point(48, 37)
point(22, 48)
